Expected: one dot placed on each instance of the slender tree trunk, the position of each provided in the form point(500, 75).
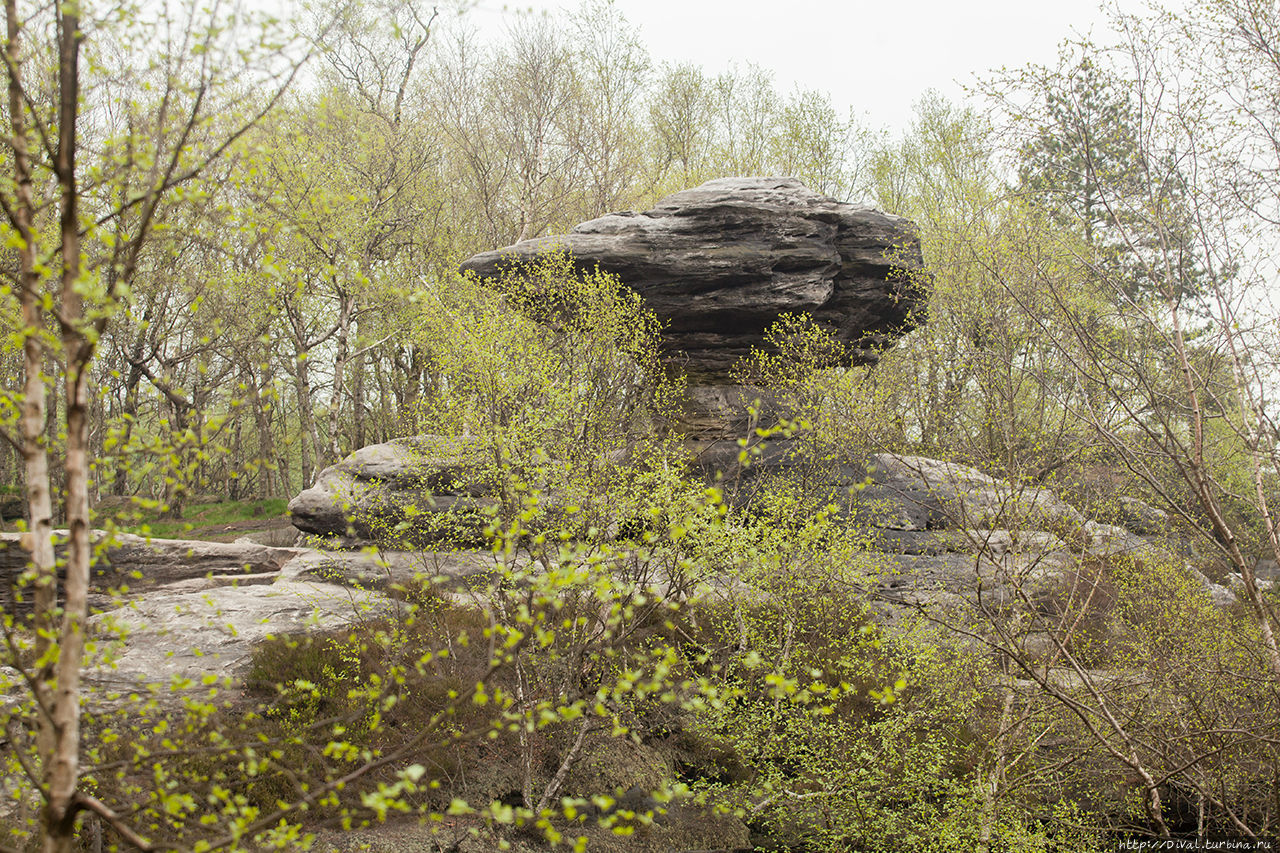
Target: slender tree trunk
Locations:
point(358, 414)
point(174, 492)
point(993, 779)
point(385, 414)
point(339, 378)
point(266, 441)
point(237, 462)
point(1204, 490)
point(120, 485)
point(63, 765)
point(57, 462)
point(35, 451)
point(307, 439)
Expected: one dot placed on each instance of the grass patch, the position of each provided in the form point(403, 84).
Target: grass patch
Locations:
point(203, 519)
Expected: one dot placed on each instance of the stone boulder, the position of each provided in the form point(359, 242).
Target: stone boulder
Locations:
point(952, 530)
point(916, 493)
point(210, 623)
point(212, 626)
point(939, 532)
point(1142, 518)
point(720, 262)
point(383, 490)
point(887, 491)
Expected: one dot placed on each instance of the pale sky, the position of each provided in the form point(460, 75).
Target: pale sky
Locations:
point(876, 57)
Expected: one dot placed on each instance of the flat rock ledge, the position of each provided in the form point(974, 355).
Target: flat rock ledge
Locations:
point(202, 608)
point(156, 561)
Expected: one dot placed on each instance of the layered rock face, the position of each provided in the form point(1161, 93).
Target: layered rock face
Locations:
point(156, 562)
point(938, 531)
point(720, 262)
point(954, 531)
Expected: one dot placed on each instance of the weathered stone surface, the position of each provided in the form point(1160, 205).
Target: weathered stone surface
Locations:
point(712, 410)
point(367, 494)
point(400, 570)
point(720, 262)
point(945, 530)
point(677, 828)
point(1142, 518)
point(893, 541)
point(195, 624)
point(916, 493)
point(953, 530)
point(894, 492)
point(211, 625)
point(160, 560)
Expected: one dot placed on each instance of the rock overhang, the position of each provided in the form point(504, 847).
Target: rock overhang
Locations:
point(720, 263)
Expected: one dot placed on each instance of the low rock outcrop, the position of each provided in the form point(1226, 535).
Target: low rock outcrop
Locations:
point(423, 481)
point(212, 625)
point(145, 563)
point(945, 530)
point(954, 531)
point(196, 608)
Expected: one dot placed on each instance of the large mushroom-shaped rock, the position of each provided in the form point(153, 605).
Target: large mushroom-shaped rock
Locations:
point(720, 262)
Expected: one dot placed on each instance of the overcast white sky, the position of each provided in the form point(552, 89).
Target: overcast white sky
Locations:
point(877, 57)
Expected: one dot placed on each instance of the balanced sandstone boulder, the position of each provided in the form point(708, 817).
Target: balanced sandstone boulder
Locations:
point(719, 263)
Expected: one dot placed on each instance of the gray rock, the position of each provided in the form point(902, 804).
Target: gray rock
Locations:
point(1219, 595)
point(421, 484)
point(203, 626)
point(166, 560)
point(404, 570)
point(952, 572)
point(916, 493)
point(897, 507)
point(741, 469)
point(713, 409)
point(1142, 518)
point(285, 536)
point(158, 561)
point(720, 262)
point(925, 542)
point(1107, 540)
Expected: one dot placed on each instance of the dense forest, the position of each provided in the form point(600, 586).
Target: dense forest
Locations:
point(231, 259)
